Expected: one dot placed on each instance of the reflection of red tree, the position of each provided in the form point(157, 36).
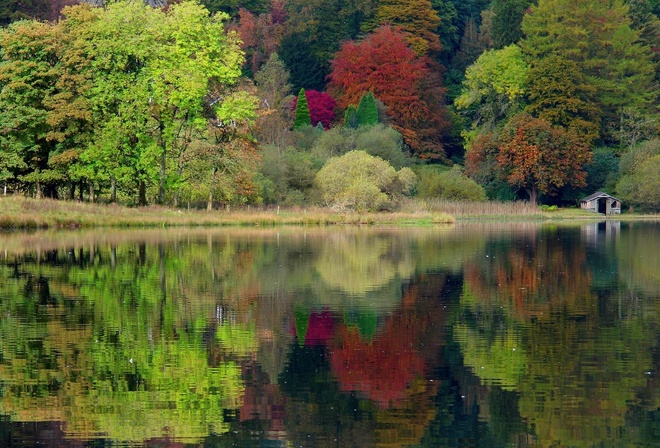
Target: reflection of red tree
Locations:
point(320, 328)
point(533, 278)
point(262, 401)
point(382, 369)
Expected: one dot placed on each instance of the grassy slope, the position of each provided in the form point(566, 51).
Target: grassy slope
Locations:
point(17, 212)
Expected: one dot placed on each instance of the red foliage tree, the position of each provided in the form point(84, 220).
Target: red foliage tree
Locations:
point(321, 107)
point(385, 64)
point(539, 157)
point(260, 36)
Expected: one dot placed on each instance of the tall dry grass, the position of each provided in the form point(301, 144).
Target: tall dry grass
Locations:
point(18, 212)
point(481, 210)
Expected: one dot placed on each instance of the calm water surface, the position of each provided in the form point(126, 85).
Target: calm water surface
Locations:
point(517, 335)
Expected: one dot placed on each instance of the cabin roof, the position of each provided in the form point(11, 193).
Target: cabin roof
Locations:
point(597, 195)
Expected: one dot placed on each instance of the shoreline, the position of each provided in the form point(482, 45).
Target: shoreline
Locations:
point(21, 213)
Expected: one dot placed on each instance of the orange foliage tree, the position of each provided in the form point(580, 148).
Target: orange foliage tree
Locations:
point(539, 157)
point(385, 64)
point(415, 17)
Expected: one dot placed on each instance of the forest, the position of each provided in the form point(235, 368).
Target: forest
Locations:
point(349, 104)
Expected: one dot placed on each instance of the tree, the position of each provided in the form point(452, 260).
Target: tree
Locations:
point(113, 96)
point(639, 184)
point(539, 157)
point(508, 15)
point(260, 37)
point(273, 87)
point(302, 116)
point(597, 37)
point(378, 140)
point(384, 64)
point(494, 88)
point(558, 92)
point(321, 108)
point(416, 18)
point(315, 29)
point(14, 10)
point(367, 110)
point(350, 117)
point(361, 182)
point(307, 70)
point(233, 7)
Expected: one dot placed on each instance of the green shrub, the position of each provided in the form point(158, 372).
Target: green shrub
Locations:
point(450, 184)
point(274, 172)
point(379, 140)
point(300, 170)
point(639, 184)
point(305, 138)
point(642, 188)
point(361, 182)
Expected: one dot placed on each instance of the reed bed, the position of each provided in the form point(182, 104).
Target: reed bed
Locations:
point(18, 212)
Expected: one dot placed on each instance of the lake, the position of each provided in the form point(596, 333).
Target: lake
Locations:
point(473, 335)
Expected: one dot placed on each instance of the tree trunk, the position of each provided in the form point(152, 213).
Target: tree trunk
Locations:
point(163, 161)
point(72, 191)
point(39, 193)
point(4, 193)
point(533, 194)
point(92, 198)
point(142, 193)
point(209, 206)
point(113, 190)
point(80, 191)
point(176, 193)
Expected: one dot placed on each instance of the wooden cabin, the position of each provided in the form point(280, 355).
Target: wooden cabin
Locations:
point(600, 202)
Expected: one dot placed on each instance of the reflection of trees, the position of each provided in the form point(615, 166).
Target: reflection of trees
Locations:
point(639, 258)
point(115, 344)
point(534, 294)
point(530, 275)
point(363, 262)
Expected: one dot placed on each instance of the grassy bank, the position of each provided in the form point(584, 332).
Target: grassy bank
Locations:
point(17, 212)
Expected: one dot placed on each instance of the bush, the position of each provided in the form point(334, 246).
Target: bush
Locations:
point(379, 141)
point(361, 182)
point(639, 184)
point(450, 184)
point(642, 188)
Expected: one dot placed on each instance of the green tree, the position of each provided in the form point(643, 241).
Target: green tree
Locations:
point(302, 117)
point(367, 110)
point(558, 92)
point(493, 88)
point(597, 37)
point(350, 117)
point(273, 87)
point(639, 184)
point(378, 140)
point(507, 18)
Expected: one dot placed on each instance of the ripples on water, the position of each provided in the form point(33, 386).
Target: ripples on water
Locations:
point(477, 335)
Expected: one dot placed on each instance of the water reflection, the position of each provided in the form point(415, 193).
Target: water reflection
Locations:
point(477, 335)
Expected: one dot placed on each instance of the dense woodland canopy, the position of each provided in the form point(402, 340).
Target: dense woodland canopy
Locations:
point(198, 102)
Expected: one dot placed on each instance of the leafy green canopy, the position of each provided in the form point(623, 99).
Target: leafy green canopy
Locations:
point(126, 88)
